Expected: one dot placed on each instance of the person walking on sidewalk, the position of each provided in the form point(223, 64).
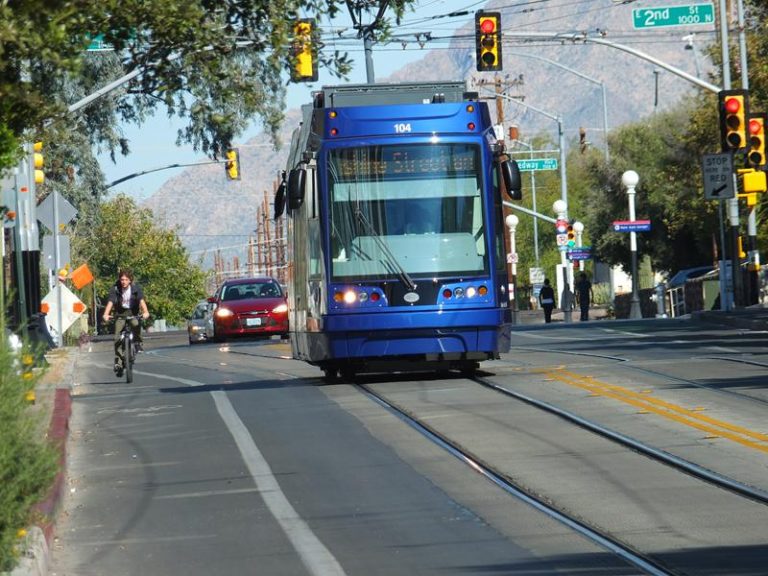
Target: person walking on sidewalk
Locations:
point(127, 299)
point(584, 295)
point(547, 300)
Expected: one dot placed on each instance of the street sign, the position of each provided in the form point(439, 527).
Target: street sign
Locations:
point(512, 258)
point(537, 164)
point(562, 239)
point(580, 253)
point(72, 309)
point(97, 44)
point(49, 252)
point(717, 170)
point(685, 15)
point(66, 212)
point(631, 225)
point(536, 275)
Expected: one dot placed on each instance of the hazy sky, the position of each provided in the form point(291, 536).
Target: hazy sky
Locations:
point(153, 144)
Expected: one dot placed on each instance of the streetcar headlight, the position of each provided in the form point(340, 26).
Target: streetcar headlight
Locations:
point(471, 292)
point(350, 296)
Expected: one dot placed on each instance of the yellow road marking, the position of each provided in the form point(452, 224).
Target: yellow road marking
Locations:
point(646, 403)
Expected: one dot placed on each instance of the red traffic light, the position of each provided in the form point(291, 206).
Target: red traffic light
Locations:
point(755, 126)
point(732, 105)
point(488, 26)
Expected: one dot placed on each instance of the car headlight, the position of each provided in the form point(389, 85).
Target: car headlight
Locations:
point(223, 312)
point(280, 308)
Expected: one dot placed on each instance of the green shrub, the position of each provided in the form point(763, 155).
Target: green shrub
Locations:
point(602, 293)
point(28, 464)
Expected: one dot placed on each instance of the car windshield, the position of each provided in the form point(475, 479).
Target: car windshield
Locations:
point(252, 290)
point(200, 311)
point(406, 210)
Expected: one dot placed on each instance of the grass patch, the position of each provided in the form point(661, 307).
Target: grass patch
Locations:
point(28, 463)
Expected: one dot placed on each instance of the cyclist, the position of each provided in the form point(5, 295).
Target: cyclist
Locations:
point(127, 299)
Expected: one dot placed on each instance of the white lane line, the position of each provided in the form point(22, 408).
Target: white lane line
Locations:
point(315, 556)
point(625, 333)
point(206, 493)
point(722, 349)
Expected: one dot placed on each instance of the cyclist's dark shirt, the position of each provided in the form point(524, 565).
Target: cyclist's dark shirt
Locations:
point(115, 296)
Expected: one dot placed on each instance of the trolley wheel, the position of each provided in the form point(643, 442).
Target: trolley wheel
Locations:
point(330, 374)
point(348, 373)
point(469, 369)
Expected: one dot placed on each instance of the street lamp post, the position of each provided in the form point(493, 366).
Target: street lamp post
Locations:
point(561, 211)
point(630, 178)
point(512, 221)
point(578, 228)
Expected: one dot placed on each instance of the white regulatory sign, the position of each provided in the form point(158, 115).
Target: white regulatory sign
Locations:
point(717, 170)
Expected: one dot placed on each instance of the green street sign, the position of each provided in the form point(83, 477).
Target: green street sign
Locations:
point(686, 15)
point(97, 44)
point(537, 164)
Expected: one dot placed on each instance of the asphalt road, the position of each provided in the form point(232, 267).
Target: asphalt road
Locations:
point(235, 459)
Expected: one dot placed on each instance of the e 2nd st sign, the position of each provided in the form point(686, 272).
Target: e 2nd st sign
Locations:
point(690, 15)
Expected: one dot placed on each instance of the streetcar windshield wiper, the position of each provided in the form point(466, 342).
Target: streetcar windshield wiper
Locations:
point(391, 259)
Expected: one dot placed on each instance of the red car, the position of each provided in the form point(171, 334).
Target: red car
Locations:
point(249, 307)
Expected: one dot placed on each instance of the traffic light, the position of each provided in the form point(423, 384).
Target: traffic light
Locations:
point(571, 236)
point(37, 162)
point(733, 108)
point(488, 41)
point(756, 151)
point(304, 51)
point(233, 164)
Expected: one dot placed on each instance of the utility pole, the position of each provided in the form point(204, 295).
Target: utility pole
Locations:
point(367, 31)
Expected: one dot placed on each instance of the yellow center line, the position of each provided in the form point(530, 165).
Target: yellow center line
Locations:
point(662, 408)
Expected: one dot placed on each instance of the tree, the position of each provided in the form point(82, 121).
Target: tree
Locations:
point(125, 237)
point(669, 193)
point(219, 64)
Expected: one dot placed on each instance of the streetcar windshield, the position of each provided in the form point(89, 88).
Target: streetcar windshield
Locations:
point(415, 209)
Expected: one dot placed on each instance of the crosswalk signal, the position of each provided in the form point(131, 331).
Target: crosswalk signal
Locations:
point(488, 41)
point(756, 152)
point(733, 110)
point(304, 51)
point(233, 164)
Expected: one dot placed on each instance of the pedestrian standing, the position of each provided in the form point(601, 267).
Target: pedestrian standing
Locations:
point(547, 300)
point(584, 294)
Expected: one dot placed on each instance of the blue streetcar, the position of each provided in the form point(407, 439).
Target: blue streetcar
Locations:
point(395, 230)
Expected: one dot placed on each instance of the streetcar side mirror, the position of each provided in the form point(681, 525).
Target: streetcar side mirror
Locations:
point(296, 182)
point(510, 175)
point(280, 199)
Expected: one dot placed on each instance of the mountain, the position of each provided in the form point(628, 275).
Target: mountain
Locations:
point(544, 81)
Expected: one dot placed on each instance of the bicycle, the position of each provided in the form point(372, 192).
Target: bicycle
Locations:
point(130, 346)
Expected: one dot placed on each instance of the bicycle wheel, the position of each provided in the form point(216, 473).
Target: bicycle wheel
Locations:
point(128, 357)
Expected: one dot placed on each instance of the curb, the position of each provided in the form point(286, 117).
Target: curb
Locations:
point(35, 560)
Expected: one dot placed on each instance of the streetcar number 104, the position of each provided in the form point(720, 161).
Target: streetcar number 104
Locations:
point(402, 127)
